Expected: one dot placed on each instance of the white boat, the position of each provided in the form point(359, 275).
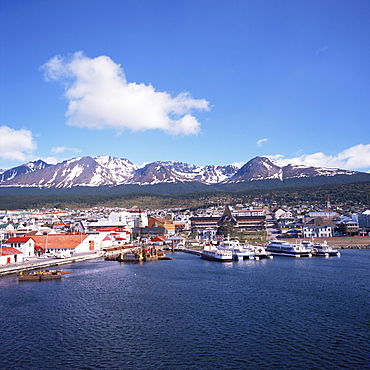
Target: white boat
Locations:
point(216, 254)
point(281, 248)
point(239, 252)
point(324, 250)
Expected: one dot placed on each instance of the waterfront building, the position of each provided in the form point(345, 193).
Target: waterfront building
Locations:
point(25, 244)
point(241, 219)
point(67, 244)
point(348, 228)
point(9, 255)
point(317, 231)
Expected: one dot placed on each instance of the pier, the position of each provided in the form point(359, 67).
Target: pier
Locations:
point(41, 263)
point(191, 251)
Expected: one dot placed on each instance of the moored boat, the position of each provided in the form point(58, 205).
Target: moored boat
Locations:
point(239, 252)
point(215, 254)
point(324, 250)
point(281, 248)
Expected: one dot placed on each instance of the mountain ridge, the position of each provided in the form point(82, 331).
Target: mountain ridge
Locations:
point(107, 171)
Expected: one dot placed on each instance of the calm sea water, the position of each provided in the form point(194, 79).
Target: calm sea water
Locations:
point(188, 313)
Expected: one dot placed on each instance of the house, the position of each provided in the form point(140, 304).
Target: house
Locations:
point(106, 242)
point(112, 237)
point(9, 255)
point(348, 228)
point(25, 244)
point(7, 230)
point(317, 231)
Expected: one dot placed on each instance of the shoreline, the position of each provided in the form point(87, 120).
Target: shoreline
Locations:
point(40, 263)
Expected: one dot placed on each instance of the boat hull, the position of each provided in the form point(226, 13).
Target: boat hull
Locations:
point(213, 258)
point(40, 276)
point(290, 254)
point(288, 250)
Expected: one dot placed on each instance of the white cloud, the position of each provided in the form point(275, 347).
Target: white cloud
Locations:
point(238, 164)
point(16, 144)
point(261, 141)
point(100, 97)
point(50, 160)
point(62, 149)
point(354, 158)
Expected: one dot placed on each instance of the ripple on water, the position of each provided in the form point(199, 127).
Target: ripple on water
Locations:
point(189, 314)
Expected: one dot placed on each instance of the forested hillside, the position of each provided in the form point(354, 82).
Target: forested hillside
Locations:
point(356, 193)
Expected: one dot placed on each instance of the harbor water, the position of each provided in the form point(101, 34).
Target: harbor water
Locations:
point(189, 313)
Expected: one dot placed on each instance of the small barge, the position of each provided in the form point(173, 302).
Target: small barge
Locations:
point(142, 254)
point(41, 275)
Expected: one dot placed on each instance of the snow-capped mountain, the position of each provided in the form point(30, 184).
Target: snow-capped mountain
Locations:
point(6, 175)
point(209, 174)
point(259, 168)
point(263, 168)
point(155, 173)
point(110, 171)
point(84, 171)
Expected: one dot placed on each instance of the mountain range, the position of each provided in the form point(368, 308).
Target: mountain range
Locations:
point(111, 172)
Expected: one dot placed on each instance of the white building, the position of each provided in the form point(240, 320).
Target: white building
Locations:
point(317, 231)
point(9, 255)
point(132, 218)
point(24, 244)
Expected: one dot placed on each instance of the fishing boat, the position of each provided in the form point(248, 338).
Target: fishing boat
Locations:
point(41, 275)
point(281, 248)
point(216, 254)
point(324, 250)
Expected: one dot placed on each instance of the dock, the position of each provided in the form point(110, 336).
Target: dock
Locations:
point(46, 264)
point(191, 251)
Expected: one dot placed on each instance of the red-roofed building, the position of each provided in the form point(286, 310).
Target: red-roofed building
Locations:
point(65, 244)
point(159, 239)
point(10, 255)
point(108, 229)
point(25, 244)
point(106, 242)
point(118, 236)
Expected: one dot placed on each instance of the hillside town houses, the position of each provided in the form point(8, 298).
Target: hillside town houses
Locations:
point(27, 234)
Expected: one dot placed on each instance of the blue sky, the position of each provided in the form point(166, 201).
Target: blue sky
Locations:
point(202, 82)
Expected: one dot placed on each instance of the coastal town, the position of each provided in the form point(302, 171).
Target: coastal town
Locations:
point(44, 234)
